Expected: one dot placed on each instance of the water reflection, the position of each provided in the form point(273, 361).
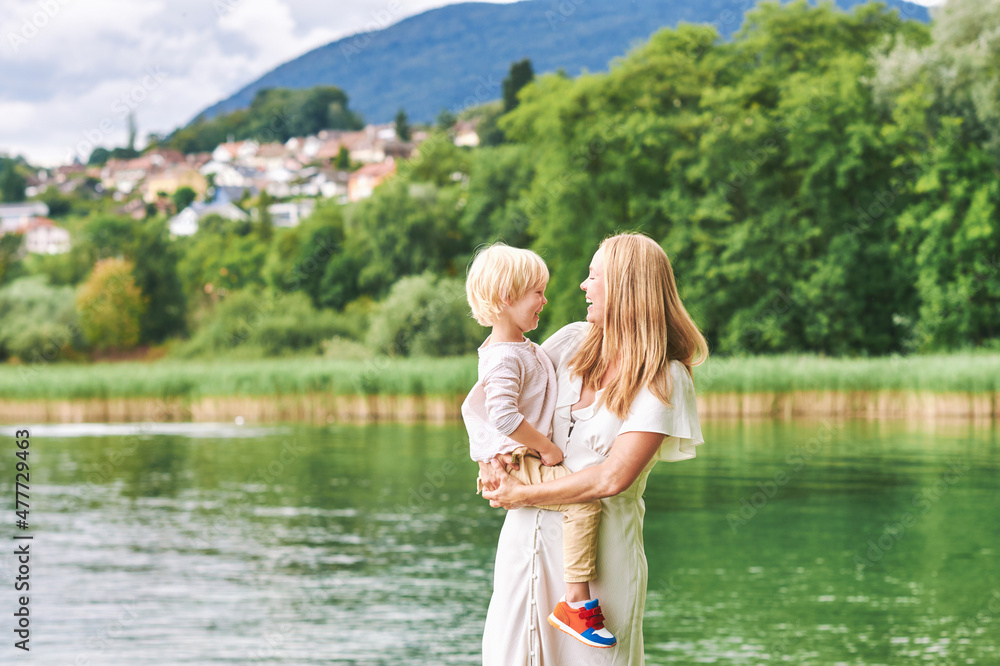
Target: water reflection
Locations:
point(807, 542)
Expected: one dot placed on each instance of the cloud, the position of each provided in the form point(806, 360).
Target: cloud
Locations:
point(74, 68)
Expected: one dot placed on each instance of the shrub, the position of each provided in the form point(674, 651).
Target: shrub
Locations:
point(37, 320)
point(424, 316)
point(252, 323)
point(110, 305)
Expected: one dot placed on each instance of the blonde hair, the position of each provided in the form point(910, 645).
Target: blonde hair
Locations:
point(645, 326)
point(501, 275)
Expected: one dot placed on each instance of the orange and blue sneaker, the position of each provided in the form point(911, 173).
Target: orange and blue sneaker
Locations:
point(584, 624)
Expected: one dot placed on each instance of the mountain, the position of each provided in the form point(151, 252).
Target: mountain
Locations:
point(457, 56)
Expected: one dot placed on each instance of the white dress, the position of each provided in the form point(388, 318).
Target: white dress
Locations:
point(528, 579)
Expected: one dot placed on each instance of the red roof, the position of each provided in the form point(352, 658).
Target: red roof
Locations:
point(35, 223)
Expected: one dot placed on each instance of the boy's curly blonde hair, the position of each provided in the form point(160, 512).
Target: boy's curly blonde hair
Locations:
point(501, 275)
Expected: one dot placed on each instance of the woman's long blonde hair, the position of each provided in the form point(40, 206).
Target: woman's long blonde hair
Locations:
point(645, 326)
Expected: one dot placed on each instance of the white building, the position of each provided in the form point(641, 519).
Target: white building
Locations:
point(42, 236)
point(292, 213)
point(15, 215)
point(185, 223)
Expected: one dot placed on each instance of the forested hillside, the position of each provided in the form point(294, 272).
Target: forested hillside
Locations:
point(824, 182)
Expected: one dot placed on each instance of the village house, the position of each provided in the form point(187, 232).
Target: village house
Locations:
point(232, 151)
point(125, 175)
point(43, 236)
point(304, 148)
point(465, 134)
point(269, 156)
point(171, 180)
point(185, 223)
point(15, 215)
point(327, 183)
point(292, 213)
point(364, 181)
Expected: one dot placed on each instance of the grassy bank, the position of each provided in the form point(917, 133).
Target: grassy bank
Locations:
point(195, 380)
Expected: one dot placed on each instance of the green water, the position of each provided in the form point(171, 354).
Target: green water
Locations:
point(803, 543)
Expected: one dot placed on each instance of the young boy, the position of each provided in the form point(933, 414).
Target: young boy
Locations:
point(510, 409)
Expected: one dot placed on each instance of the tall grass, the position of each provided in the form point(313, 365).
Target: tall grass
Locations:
point(197, 378)
point(942, 373)
point(194, 379)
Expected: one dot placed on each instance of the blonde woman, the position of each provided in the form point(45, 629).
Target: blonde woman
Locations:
point(625, 401)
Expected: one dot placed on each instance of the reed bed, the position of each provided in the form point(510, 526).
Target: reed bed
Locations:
point(197, 379)
point(942, 373)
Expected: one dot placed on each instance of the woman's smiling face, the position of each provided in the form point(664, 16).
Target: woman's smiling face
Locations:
point(594, 286)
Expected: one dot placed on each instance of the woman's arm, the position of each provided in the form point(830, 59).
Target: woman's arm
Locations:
point(630, 454)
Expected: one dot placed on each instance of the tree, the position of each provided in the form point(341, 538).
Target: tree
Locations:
point(275, 114)
point(266, 227)
point(98, 156)
point(155, 260)
point(402, 126)
point(184, 197)
point(132, 129)
point(944, 97)
point(111, 306)
point(12, 183)
point(343, 159)
point(38, 321)
point(520, 75)
point(424, 315)
point(10, 248)
point(747, 160)
point(446, 120)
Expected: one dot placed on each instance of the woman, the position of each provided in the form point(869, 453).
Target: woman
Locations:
point(625, 401)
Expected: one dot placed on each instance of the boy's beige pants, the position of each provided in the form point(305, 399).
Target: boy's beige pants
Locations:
point(580, 519)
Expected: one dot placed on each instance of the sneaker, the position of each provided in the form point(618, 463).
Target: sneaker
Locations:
point(584, 624)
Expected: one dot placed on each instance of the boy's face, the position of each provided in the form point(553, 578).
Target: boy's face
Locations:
point(524, 313)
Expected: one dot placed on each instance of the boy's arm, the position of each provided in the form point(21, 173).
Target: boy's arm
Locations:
point(527, 435)
point(502, 385)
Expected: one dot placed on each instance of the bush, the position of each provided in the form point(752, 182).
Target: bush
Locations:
point(251, 323)
point(37, 320)
point(424, 316)
point(111, 306)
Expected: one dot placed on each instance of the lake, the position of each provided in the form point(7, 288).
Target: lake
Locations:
point(808, 542)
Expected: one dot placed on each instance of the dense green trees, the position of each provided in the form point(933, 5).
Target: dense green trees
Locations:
point(793, 210)
point(111, 305)
point(39, 320)
point(823, 182)
point(12, 183)
point(276, 114)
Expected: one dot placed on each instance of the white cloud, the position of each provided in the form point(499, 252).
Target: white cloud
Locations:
point(73, 68)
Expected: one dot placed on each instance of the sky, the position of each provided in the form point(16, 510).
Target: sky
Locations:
point(71, 71)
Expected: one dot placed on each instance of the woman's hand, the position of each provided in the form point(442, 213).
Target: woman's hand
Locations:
point(506, 493)
point(494, 471)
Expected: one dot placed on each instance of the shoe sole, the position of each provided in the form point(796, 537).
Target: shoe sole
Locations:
point(566, 629)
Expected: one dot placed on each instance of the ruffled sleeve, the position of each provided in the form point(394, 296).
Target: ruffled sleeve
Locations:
point(679, 422)
point(563, 342)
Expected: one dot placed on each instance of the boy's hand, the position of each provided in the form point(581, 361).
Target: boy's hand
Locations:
point(551, 457)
